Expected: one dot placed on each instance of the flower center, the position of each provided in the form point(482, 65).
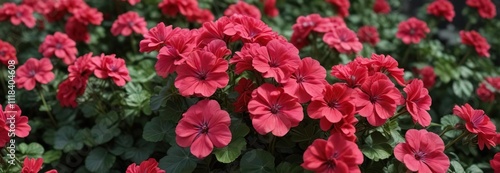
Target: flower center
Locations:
point(59, 46)
point(374, 99)
point(19, 14)
point(113, 68)
point(412, 31)
point(202, 75)
point(419, 155)
point(130, 23)
point(308, 24)
point(332, 161)
point(275, 108)
point(273, 63)
point(32, 73)
point(333, 104)
point(203, 129)
point(300, 79)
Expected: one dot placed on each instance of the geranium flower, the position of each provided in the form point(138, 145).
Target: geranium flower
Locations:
point(17, 14)
point(494, 82)
point(108, 66)
point(442, 8)
point(249, 30)
point(33, 71)
point(313, 22)
point(243, 8)
point(412, 31)
point(495, 163)
point(82, 68)
point(201, 74)
point(477, 122)
point(307, 81)
point(335, 155)
point(4, 131)
point(428, 76)
point(213, 31)
point(148, 166)
point(273, 110)
point(127, 23)
point(244, 87)
point(7, 53)
point(77, 31)
point(345, 127)
point(422, 152)
point(59, 45)
point(175, 52)
point(132, 2)
point(172, 7)
point(89, 16)
point(22, 128)
point(353, 73)
point(387, 64)
point(334, 103)
point(32, 165)
point(418, 102)
point(201, 16)
point(42, 7)
point(485, 94)
point(73, 6)
point(341, 7)
point(156, 37)
point(368, 34)
point(381, 7)
point(486, 8)
point(203, 126)
point(473, 38)
point(270, 8)
point(69, 90)
point(343, 40)
point(277, 59)
point(243, 58)
point(377, 99)
point(218, 48)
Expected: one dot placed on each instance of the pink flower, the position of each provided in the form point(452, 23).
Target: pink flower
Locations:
point(244, 57)
point(477, 122)
point(473, 38)
point(213, 31)
point(243, 8)
point(156, 37)
point(387, 64)
point(277, 59)
point(377, 99)
point(412, 31)
point(148, 166)
point(32, 165)
point(368, 34)
point(127, 23)
point(203, 126)
point(244, 87)
point(495, 163)
point(132, 2)
point(77, 31)
point(381, 6)
point(333, 104)
point(422, 152)
point(273, 110)
point(343, 40)
point(12, 115)
point(353, 73)
point(486, 8)
point(175, 53)
point(249, 30)
point(4, 130)
point(307, 81)
point(7, 53)
point(270, 8)
point(82, 68)
point(33, 71)
point(418, 102)
point(335, 155)
point(69, 90)
point(201, 74)
point(18, 14)
point(428, 76)
point(59, 45)
point(345, 127)
point(485, 94)
point(108, 66)
point(442, 8)
point(89, 16)
point(341, 7)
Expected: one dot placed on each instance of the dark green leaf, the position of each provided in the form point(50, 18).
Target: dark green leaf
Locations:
point(159, 129)
point(99, 160)
point(257, 161)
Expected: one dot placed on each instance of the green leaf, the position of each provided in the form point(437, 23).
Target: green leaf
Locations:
point(257, 161)
point(231, 152)
point(285, 167)
point(102, 133)
point(457, 167)
point(160, 99)
point(99, 160)
point(238, 128)
point(140, 152)
point(178, 160)
point(121, 144)
point(33, 150)
point(159, 129)
point(51, 156)
point(449, 120)
point(66, 139)
point(473, 169)
point(377, 147)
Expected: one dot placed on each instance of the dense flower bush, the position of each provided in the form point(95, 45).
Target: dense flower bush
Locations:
point(249, 86)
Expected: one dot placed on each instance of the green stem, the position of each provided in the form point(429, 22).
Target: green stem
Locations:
point(464, 133)
point(405, 56)
point(464, 58)
point(272, 144)
point(445, 130)
point(401, 112)
point(133, 43)
point(314, 46)
point(46, 107)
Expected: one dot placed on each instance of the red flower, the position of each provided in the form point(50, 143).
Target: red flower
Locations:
point(156, 37)
point(132, 2)
point(77, 31)
point(69, 90)
point(59, 45)
point(484, 93)
point(4, 129)
point(412, 30)
point(218, 48)
point(32, 165)
point(82, 68)
point(486, 8)
point(18, 14)
point(108, 66)
point(368, 34)
point(343, 40)
point(127, 23)
point(175, 52)
point(42, 7)
point(244, 88)
point(353, 73)
point(273, 110)
point(345, 127)
point(422, 152)
point(148, 166)
point(33, 71)
point(185, 7)
point(213, 31)
point(495, 163)
point(249, 30)
point(418, 102)
point(201, 74)
point(270, 8)
point(477, 122)
point(313, 22)
point(21, 126)
point(243, 8)
point(387, 64)
point(307, 81)
point(203, 126)
point(428, 76)
point(377, 99)
point(243, 58)
point(201, 16)
point(473, 38)
point(381, 6)
point(88, 16)
point(277, 59)
point(442, 8)
point(341, 7)
point(51, 171)
point(334, 103)
point(7, 53)
point(335, 155)
point(494, 82)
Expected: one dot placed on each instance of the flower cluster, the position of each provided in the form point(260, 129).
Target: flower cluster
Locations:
point(488, 88)
point(17, 14)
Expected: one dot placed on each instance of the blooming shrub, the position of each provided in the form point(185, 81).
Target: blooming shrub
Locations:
point(249, 86)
